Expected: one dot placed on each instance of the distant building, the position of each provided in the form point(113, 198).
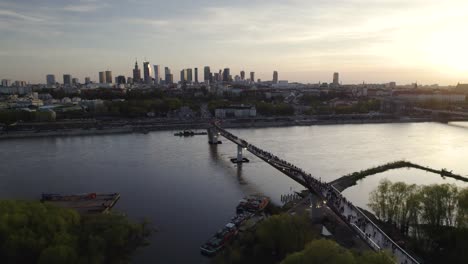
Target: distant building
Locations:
point(183, 77)
point(136, 73)
point(129, 80)
point(157, 74)
point(275, 77)
point(75, 81)
point(87, 80)
point(67, 79)
point(168, 77)
point(6, 83)
point(226, 74)
point(429, 96)
point(336, 78)
point(102, 77)
point(147, 72)
point(108, 76)
point(207, 74)
point(236, 111)
point(242, 75)
point(50, 78)
point(189, 75)
point(196, 75)
point(252, 76)
point(120, 79)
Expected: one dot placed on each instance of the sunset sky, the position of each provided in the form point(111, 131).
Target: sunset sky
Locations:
point(305, 40)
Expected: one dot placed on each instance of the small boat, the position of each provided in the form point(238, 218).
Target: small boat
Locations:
point(219, 240)
point(189, 133)
point(252, 204)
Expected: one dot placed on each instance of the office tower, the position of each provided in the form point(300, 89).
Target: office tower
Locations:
point(147, 72)
point(252, 76)
point(220, 75)
point(189, 75)
point(206, 73)
point(67, 79)
point(226, 75)
point(50, 78)
point(157, 74)
point(196, 75)
point(120, 79)
point(216, 76)
point(108, 76)
point(129, 80)
point(242, 75)
point(136, 73)
point(102, 77)
point(182, 76)
point(275, 77)
point(336, 78)
point(75, 81)
point(6, 83)
point(169, 78)
point(87, 80)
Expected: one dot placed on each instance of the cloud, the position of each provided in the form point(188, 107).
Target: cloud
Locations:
point(84, 8)
point(16, 15)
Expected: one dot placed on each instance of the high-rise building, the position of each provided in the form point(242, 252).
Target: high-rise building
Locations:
point(157, 74)
point(108, 76)
point(252, 76)
point(336, 78)
point(168, 77)
point(136, 73)
point(75, 81)
point(206, 73)
point(226, 75)
point(242, 75)
point(50, 78)
point(182, 76)
point(216, 76)
point(275, 77)
point(196, 75)
point(6, 83)
point(189, 75)
point(102, 77)
point(67, 79)
point(129, 80)
point(87, 80)
point(147, 72)
point(120, 79)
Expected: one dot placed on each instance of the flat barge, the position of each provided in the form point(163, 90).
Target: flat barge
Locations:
point(86, 203)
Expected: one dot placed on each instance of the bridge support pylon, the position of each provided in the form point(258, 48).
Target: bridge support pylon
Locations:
point(213, 136)
point(240, 158)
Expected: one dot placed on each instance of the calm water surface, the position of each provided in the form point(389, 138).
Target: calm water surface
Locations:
point(189, 189)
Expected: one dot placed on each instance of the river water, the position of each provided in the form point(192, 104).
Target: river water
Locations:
point(189, 189)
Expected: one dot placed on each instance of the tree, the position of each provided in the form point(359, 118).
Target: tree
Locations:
point(32, 232)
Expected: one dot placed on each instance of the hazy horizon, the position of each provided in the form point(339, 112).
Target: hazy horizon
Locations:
point(304, 40)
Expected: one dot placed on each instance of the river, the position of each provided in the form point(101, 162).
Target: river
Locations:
point(188, 189)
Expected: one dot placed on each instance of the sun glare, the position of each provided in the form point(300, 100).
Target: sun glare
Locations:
point(447, 52)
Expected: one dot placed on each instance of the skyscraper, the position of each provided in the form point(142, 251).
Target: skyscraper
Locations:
point(168, 77)
point(336, 78)
point(102, 77)
point(147, 72)
point(157, 74)
point(252, 76)
point(50, 79)
point(206, 73)
point(136, 73)
point(75, 81)
point(189, 75)
point(275, 77)
point(226, 75)
point(87, 80)
point(108, 76)
point(196, 75)
point(182, 75)
point(6, 83)
point(67, 79)
point(242, 75)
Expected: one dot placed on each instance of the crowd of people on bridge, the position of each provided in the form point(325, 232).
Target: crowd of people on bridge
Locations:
point(335, 200)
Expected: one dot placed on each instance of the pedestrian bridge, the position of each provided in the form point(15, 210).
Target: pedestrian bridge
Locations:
point(353, 216)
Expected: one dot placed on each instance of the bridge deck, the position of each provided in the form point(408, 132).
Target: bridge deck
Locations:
point(353, 216)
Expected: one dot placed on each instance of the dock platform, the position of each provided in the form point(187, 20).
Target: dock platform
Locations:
point(89, 203)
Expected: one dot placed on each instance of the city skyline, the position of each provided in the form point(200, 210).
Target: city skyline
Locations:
point(402, 41)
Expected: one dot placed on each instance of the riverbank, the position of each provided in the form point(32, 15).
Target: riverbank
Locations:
point(159, 125)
